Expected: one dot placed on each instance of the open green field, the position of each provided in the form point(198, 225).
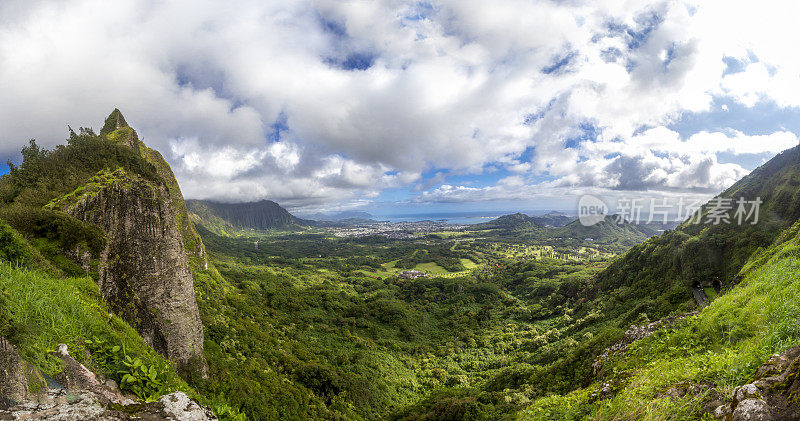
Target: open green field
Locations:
point(431, 268)
point(469, 264)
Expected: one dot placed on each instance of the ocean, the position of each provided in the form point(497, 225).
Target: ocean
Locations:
point(471, 217)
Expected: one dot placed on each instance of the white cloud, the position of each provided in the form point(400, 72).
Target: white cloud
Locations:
point(446, 87)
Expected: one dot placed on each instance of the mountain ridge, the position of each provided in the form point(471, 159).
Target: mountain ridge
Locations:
point(262, 215)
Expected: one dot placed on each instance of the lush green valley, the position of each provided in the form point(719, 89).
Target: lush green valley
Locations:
point(510, 319)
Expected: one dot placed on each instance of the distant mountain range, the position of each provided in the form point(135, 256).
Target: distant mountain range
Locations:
point(606, 230)
point(555, 225)
point(520, 220)
point(228, 217)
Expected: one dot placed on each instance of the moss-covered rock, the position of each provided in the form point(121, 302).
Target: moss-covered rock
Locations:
point(144, 272)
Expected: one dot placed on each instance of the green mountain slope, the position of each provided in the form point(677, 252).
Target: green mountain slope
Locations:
point(722, 347)
point(756, 266)
point(518, 221)
point(607, 231)
point(706, 253)
point(715, 351)
point(563, 231)
point(223, 218)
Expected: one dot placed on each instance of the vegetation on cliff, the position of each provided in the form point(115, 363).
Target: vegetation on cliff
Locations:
point(40, 199)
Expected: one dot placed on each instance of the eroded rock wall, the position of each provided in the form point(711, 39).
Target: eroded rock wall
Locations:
point(144, 272)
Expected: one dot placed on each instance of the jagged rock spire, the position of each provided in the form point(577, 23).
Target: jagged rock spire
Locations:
point(118, 130)
point(114, 121)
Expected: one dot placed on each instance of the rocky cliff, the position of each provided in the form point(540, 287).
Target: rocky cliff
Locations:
point(13, 384)
point(118, 130)
point(144, 272)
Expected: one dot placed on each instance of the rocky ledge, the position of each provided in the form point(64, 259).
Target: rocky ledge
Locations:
point(774, 393)
point(58, 404)
point(82, 396)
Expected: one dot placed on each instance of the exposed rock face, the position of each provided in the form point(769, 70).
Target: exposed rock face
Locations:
point(13, 384)
point(83, 405)
point(773, 395)
point(191, 239)
point(77, 377)
point(118, 130)
point(144, 273)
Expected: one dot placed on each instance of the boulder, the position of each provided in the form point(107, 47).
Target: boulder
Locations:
point(178, 406)
point(753, 409)
point(747, 391)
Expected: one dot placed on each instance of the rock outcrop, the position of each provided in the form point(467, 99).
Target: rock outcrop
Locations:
point(84, 398)
point(13, 384)
point(82, 405)
point(774, 393)
point(118, 130)
point(144, 272)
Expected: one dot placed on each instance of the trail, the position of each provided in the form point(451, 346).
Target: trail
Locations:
point(699, 296)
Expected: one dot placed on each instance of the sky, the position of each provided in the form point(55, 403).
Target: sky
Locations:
point(407, 106)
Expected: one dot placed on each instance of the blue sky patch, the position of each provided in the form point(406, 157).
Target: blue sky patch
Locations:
point(560, 64)
point(765, 117)
point(280, 125)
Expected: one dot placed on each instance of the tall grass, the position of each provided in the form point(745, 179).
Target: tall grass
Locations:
point(40, 311)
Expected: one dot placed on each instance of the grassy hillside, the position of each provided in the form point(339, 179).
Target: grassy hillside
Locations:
point(38, 311)
point(522, 221)
point(705, 253)
point(606, 232)
point(722, 346)
point(562, 231)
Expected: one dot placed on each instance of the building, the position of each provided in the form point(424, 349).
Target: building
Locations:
point(411, 274)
